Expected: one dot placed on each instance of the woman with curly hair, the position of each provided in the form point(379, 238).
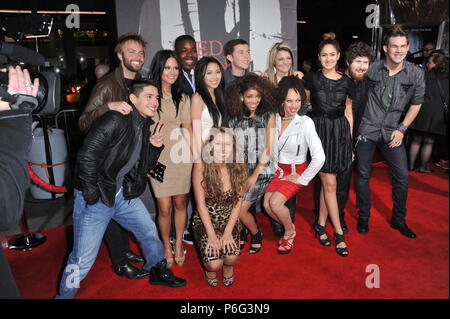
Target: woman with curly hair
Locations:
point(219, 185)
point(294, 136)
point(250, 102)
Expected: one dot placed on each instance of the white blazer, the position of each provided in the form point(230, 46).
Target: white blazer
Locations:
point(292, 146)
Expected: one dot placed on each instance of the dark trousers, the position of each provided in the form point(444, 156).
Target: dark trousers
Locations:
point(398, 165)
point(117, 239)
point(8, 288)
point(342, 189)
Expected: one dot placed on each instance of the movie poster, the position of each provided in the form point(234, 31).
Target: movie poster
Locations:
point(212, 23)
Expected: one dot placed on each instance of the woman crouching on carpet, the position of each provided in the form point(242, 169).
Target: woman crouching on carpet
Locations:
point(219, 182)
point(294, 134)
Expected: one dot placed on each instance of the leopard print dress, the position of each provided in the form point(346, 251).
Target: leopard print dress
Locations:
point(219, 214)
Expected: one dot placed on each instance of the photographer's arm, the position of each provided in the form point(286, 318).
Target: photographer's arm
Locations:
point(15, 143)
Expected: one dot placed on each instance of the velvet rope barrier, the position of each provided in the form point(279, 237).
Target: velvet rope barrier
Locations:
point(40, 182)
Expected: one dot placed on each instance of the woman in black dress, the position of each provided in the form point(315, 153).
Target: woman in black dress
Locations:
point(330, 97)
point(430, 123)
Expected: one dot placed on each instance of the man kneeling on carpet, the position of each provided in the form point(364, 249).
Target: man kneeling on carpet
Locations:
point(110, 176)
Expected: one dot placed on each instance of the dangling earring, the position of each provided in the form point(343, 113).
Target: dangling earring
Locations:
point(281, 112)
point(242, 99)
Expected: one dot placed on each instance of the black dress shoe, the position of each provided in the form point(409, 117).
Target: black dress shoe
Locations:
point(133, 258)
point(162, 276)
point(425, 170)
point(363, 226)
point(130, 271)
point(404, 230)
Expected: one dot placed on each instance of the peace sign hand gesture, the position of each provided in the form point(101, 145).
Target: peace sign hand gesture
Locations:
point(157, 138)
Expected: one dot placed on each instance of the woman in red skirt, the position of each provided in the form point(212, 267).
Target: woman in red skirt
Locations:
point(293, 136)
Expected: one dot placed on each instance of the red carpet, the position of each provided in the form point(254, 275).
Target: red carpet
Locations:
point(408, 268)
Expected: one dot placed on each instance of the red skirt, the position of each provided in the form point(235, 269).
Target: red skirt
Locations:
point(287, 188)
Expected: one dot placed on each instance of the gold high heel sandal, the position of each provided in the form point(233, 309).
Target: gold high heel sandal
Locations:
point(211, 281)
point(180, 260)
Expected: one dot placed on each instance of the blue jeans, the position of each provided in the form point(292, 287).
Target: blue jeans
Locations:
point(89, 225)
point(398, 166)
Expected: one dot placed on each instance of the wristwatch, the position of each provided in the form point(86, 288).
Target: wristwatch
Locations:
point(402, 128)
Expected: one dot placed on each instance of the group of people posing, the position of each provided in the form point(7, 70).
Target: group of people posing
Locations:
point(238, 139)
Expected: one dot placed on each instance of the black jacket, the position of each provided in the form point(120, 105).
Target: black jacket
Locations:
point(106, 149)
point(15, 144)
point(431, 117)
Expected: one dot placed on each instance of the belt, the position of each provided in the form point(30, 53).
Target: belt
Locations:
point(329, 114)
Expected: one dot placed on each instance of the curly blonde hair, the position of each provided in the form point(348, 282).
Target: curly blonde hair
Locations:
point(212, 180)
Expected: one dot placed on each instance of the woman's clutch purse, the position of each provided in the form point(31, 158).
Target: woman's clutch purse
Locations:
point(157, 172)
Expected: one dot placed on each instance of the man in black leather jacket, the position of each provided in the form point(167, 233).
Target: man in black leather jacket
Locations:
point(110, 176)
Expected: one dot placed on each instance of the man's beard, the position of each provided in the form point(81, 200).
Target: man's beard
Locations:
point(130, 67)
point(357, 77)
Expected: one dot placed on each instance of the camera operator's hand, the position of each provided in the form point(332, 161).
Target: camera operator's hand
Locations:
point(19, 82)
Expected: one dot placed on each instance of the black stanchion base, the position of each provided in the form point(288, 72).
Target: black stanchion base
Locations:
point(27, 242)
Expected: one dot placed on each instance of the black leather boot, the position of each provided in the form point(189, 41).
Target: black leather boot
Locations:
point(363, 225)
point(162, 276)
point(133, 258)
point(130, 271)
point(404, 229)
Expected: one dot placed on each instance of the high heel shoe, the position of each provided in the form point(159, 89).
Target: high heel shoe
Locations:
point(179, 260)
point(340, 239)
point(227, 282)
point(255, 240)
point(286, 244)
point(169, 260)
point(211, 281)
point(320, 231)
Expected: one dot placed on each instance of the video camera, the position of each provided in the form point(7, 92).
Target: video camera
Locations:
point(12, 54)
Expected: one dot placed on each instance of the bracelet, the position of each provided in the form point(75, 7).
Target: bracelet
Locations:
point(402, 128)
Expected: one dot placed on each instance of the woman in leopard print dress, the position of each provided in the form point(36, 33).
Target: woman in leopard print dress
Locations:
point(219, 184)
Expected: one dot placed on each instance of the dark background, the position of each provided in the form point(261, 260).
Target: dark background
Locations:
point(346, 18)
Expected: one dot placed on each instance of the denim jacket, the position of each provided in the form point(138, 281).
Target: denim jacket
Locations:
point(409, 88)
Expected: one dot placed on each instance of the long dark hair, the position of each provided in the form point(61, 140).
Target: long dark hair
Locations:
point(215, 109)
point(156, 70)
point(236, 89)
